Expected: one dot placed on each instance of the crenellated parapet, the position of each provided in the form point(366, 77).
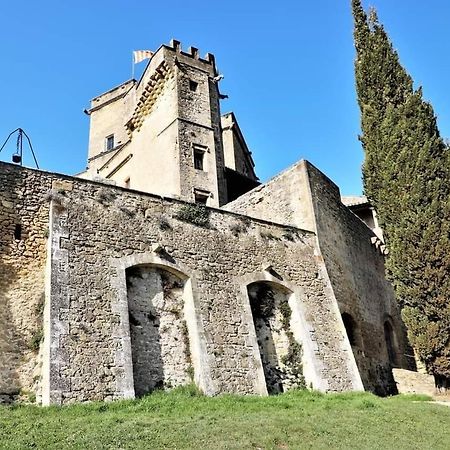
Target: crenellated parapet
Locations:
point(192, 52)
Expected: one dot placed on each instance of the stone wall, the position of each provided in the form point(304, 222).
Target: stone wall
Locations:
point(107, 115)
point(409, 382)
point(98, 233)
point(281, 355)
point(357, 274)
point(159, 341)
point(23, 238)
point(236, 153)
point(302, 196)
point(285, 199)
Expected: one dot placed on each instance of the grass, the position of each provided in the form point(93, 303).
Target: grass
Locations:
point(185, 419)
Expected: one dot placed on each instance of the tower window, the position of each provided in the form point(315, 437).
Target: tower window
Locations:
point(193, 85)
point(110, 142)
point(198, 159)
point(199, 156)
point(201, 197)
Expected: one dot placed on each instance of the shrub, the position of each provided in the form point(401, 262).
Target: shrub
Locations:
point(195, 214)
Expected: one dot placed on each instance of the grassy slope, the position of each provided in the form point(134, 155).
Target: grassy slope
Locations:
point(182, 419)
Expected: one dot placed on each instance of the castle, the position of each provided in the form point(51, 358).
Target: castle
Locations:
point(167, 262)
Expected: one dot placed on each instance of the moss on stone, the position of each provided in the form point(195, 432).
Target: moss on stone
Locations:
point(195, 214)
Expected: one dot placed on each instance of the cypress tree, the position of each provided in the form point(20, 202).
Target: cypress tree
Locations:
point(406, 174)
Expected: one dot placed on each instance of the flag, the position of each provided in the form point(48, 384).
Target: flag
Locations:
point(140, 55)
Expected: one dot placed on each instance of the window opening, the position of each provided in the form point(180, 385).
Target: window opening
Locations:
point(18, 232)
point(110, 142)
point(198, 159)
point(193, 85)
point(127, 183)
point(201, 197)
point(199, 152)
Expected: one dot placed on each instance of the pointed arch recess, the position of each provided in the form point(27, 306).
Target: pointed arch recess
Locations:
point(125, 378)
point(301, 330)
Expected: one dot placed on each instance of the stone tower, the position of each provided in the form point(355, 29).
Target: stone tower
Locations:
point(164, 133)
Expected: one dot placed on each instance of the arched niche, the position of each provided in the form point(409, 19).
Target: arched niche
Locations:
point(281, 354)
point(352, 329)
point(160, 346)
point(391, 342)
point(121, 331)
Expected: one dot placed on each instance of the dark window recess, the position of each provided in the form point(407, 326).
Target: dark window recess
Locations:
point(193, 85)
point(201, 198)
point(238, 184)
point(110, 142)
point(18, 232)
point(198, 159)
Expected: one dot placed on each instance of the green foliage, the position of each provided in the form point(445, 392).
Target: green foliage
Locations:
point(39, 308)
point(164, 224)
point(238, 228)
point(195, 214)
point(293, 359)
point(264, 308)
point(185, 419)
point(26, 396)
point(36, 339)
point(406, 176)
point(190, 372)
point(187, 347)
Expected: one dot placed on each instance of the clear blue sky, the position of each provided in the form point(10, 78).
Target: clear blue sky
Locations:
point(288, 69)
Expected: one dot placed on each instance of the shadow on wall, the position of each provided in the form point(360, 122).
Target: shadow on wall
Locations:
point(376, 374)
point(10, 344)
point(281, 355)
point(391, 343)
point(159, 338)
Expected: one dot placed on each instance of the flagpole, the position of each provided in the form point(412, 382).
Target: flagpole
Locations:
point(132, 65)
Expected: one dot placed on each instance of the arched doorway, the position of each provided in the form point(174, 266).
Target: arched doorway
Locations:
point(281, 354)
point(159, 338)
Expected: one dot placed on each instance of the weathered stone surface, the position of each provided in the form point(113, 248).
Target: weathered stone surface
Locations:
point(97, 232)
point(159, 340)
point(409, 382)
point(302, 196)
point(24, 224)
